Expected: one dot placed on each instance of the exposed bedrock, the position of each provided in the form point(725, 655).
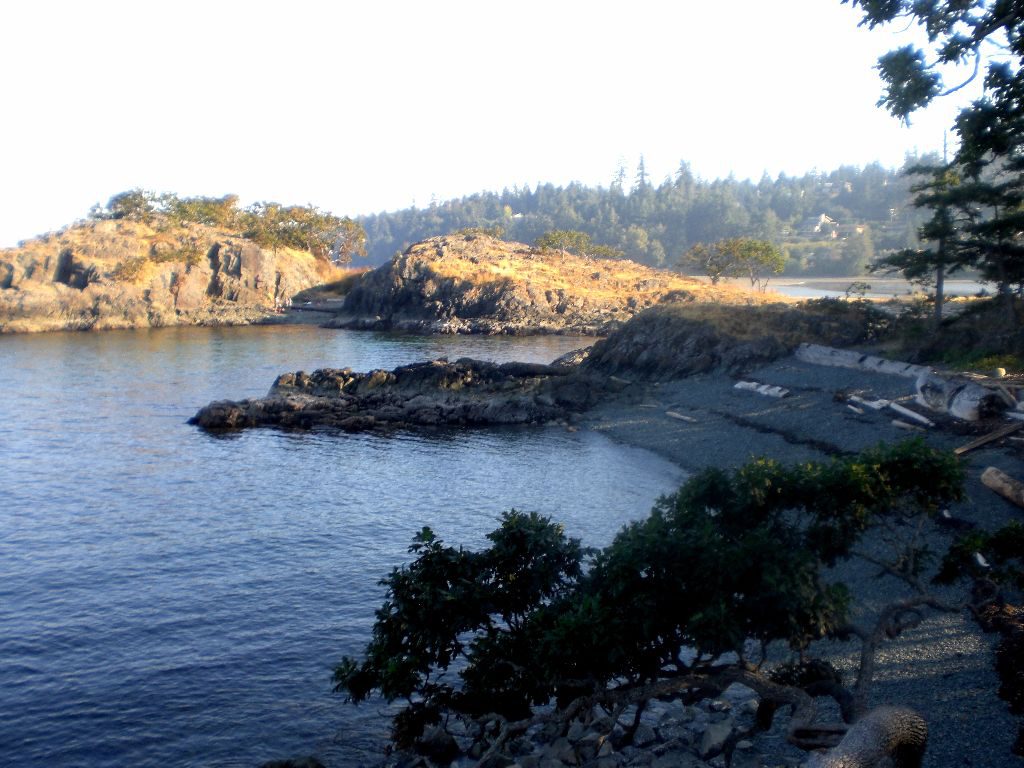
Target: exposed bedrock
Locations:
point(476, 284)
point(464, 392)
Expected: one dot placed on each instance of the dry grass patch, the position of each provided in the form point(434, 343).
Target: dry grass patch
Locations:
point(480, 259)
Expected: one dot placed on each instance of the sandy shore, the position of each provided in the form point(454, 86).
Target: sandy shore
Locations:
point(944, 667)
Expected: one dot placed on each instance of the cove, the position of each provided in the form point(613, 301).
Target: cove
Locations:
point(171, 597)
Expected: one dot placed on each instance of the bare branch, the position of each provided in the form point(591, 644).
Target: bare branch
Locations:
point(973, 76)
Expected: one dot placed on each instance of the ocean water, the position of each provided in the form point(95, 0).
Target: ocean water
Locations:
point(174, 598)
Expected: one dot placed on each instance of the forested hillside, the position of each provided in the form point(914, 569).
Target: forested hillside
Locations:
point(828, 223)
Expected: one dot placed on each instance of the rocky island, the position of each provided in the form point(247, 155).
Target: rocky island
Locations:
point(474, 283)
point(141, 268)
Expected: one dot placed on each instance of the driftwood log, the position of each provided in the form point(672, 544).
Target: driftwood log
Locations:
point(959, 397)
point(847, 358)
point(886, 737)
point(1000, 482)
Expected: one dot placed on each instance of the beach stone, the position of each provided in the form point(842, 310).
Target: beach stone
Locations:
point(438, 745)
point(497, 760)
point(562, 751)
point(714, 737)
point(589, 746)
point(520, 746)
point(675, 731)
point(576, 731)
point(746, 759)
point(676, 759)
point(644, 736)
point(637, 757)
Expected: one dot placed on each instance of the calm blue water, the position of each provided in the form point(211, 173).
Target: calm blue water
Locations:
point(171, 598)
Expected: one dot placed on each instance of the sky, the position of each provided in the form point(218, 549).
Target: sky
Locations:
point(369, 106)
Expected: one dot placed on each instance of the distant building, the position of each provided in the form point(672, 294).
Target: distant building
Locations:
point(822, 224)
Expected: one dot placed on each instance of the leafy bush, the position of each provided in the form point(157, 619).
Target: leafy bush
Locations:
point(270, 225)
point(730, 562)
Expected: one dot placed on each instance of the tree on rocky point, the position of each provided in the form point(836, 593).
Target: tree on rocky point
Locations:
point(732, 563)
point(737, 257)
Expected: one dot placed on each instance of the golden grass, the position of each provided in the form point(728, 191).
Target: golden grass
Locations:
point(480, 259)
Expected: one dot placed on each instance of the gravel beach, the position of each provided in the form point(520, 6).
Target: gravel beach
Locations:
point(944, 667)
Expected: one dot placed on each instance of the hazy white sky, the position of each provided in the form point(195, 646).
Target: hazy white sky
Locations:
point(368, 106)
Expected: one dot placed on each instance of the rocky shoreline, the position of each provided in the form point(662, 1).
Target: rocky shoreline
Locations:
point(943, 668)
point(437, 393)
point(666, 383)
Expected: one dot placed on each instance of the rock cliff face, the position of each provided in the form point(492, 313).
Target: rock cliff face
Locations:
point(476, 284)
point(122, 274)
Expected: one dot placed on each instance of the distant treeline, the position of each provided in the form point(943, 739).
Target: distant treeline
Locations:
point(825, 223)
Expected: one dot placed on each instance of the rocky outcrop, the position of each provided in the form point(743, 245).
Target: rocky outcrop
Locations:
point(477, 284)
point(662, 343)
point(677, 338)
point(123, 274)
point(466, 392)
point(655, 345)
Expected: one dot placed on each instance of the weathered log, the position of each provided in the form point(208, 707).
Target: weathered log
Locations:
point(846, 358)
point(680, 416)
point(998, 434)
point(959, 397)
point(900, 424)
point(914, 415)
point(1000, 482)
point(875, 405)
point(762, 389)
point(886, 737)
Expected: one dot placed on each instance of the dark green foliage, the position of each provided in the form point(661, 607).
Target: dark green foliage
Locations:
point(450, 604)
point(134, 205)
point(656, 225)
point(1001, 561)
point(576, 242)
point(305, 228)
point(271, 225)
point(737, 257)
point(211, 211)
point(983, 37)
point(730, 557)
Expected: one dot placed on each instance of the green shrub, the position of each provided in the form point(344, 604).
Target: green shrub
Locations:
point(732, 560)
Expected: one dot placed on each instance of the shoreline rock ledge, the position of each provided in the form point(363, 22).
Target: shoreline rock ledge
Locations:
point(435, 393)
point(658, 345)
